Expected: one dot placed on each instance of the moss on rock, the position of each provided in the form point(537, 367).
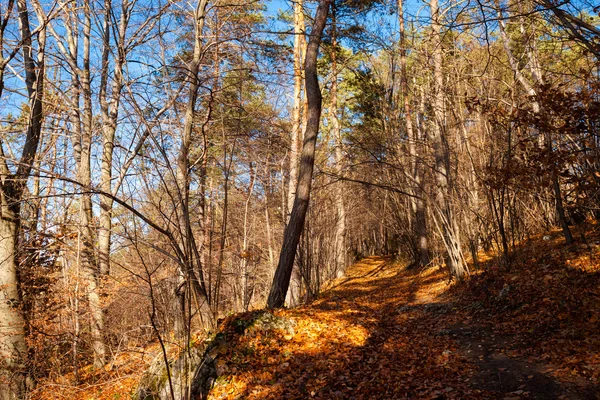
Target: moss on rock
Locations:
point(203, 356)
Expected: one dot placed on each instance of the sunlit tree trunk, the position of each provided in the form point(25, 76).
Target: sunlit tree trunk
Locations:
point(419, 207)
point(246, 255)
point(109, 106)
point(267, 199)
point(82, 126)
point(13, 349)
point(336, 131)
point(191, 271)
point(84, 177)
point(299, 51)
point(445, 214)
point(12, 324)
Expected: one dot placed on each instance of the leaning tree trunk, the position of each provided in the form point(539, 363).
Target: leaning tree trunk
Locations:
point(191, 261)
point(191, 285)
point(291, 237)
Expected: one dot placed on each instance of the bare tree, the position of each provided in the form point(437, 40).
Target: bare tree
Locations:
point(418, 203)
point(445, 214)
point(530, 88)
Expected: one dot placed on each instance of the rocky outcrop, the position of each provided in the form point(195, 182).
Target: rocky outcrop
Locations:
point(193, 372)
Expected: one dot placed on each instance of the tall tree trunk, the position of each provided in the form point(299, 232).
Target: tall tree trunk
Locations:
point(447, 223)
point(110, 112)
point(13, 350)
point(293, 231)
point(246, 255)
point(84, 175)
point(81, 116)
point(191, 264)
point(418, 204)
point(340, 226)
point(299, 50)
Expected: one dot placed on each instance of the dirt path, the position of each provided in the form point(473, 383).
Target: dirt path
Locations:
point(512, 377)
point(498, 374)
point(387, 333)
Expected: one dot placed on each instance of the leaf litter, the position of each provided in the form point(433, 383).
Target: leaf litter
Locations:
point(524, 330)
point(527, 329)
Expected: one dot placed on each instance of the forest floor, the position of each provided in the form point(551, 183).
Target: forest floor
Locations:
point(529, 329)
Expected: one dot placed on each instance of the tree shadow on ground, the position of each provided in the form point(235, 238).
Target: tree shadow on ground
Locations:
point(519, 332)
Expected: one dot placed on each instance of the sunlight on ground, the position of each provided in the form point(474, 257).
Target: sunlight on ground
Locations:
point(341, 334)
point(381, 331)
point(117, 380)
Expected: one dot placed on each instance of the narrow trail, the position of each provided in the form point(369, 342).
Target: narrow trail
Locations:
point(383, 332)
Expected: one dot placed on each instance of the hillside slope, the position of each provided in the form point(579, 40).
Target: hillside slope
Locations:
point(528, 331)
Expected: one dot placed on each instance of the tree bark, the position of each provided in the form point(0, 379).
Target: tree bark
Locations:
point(299, 50)
point(84, 174)
point(81, 116)
point(13, 349)
point(340, 226)
point(110, 113)
point(246, 255)
point(293, 231)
